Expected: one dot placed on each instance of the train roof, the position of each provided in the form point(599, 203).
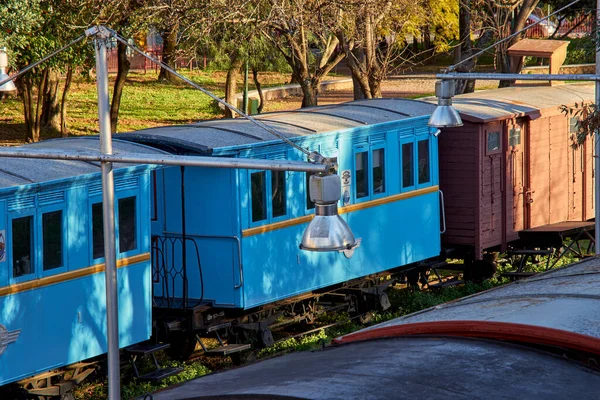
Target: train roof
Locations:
point(563, 300)
point(406, 368)
point(23, 171)
point(499, 104)
point(205, 136)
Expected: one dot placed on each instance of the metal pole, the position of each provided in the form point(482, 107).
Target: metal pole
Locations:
point(245, 100)
point(108, 209)
point(165, 159)
point(597, 139)
point(521, 77)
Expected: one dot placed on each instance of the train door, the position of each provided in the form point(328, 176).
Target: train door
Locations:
point(516, 168)
point(491, 214)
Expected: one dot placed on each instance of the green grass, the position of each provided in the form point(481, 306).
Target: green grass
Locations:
point(145, 103)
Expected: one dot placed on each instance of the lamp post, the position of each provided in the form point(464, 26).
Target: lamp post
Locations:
point(323, 193)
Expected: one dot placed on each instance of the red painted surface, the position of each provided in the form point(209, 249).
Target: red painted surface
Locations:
point(520, 333)
point(492, 195)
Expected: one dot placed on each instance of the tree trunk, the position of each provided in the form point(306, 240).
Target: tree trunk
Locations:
point(63, 103)
point(50, 117)
point(261, 95)
point(375, 85)
point(357, 89)
point(466, 48)
point(231, 83)
point(520, 20)
point(169, 37)
point(356, 62)
point(310, 91)
point(123, 66)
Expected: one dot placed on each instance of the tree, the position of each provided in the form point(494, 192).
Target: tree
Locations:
point(31, 32)
point(373, 32)
point(504, 18)
point(304, 33)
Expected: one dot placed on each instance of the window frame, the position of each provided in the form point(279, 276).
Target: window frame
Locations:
point(34, 258)
point(381, 145)
point(91, 202)
point(363, 148)
point(123, 195)
point(487, 135)
point(40, 237)
point(269, 219)
point(418, 139)
point(408, 140)
point(286, 214)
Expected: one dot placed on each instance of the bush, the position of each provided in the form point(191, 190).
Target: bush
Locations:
point(581, 51)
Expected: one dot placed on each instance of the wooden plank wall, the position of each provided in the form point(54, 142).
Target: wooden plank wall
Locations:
point(492, 191)
point(458, 181)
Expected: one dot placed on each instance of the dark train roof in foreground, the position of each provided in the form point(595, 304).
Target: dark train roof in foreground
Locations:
point(499, 104)
point(204, 136)
point(23, 171)
point(403, 368)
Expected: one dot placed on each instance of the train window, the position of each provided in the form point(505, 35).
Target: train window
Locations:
point(258, 191)
point(379, 171)
point(408, 165)
point(514, 136)
point(97, 231)
point(424, 169)
point(362, 174)
point(493, 141)
point(309, 203)
point(278, 193)
point(573, 124)
point(127, 224)
point(22, 246)
point(52, 231)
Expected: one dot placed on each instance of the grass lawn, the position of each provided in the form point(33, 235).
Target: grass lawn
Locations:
point(145, 103)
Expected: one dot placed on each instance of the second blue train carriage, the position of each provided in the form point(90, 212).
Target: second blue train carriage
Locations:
point(241, 229)
point(52, 285)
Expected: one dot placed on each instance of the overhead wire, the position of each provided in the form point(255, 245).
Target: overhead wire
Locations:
point(215, 97)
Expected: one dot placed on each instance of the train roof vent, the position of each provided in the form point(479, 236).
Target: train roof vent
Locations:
point(21, 202)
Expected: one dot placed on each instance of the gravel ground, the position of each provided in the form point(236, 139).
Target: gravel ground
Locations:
point(402, 88)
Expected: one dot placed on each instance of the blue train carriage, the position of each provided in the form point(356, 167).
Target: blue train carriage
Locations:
point(52, 288)
point(242, 228)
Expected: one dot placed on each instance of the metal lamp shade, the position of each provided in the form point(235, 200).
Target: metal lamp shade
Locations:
point(445, 116)
point(327, 231)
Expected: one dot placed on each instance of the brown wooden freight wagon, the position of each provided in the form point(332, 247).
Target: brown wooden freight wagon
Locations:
point(513, 167)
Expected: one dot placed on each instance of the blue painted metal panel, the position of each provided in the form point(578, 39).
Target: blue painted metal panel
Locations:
point(393, 234)
point(64, 323)
point(212, 224)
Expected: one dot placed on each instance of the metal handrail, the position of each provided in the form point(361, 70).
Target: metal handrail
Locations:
point(443, 212)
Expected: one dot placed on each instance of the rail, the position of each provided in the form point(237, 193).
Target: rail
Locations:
point(167, 271)
point(238, 243)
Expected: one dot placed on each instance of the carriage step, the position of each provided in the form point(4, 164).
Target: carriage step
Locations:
point(524, 252)
point(453, 282)
point(517, 275)
point(216, 327)
point(144, 349)
point(160, 374)
point(228, 349)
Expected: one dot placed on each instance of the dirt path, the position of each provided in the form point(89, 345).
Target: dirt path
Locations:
point(399, 88)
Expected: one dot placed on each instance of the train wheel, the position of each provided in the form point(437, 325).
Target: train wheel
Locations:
point(243, 357)
point(182, 344)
